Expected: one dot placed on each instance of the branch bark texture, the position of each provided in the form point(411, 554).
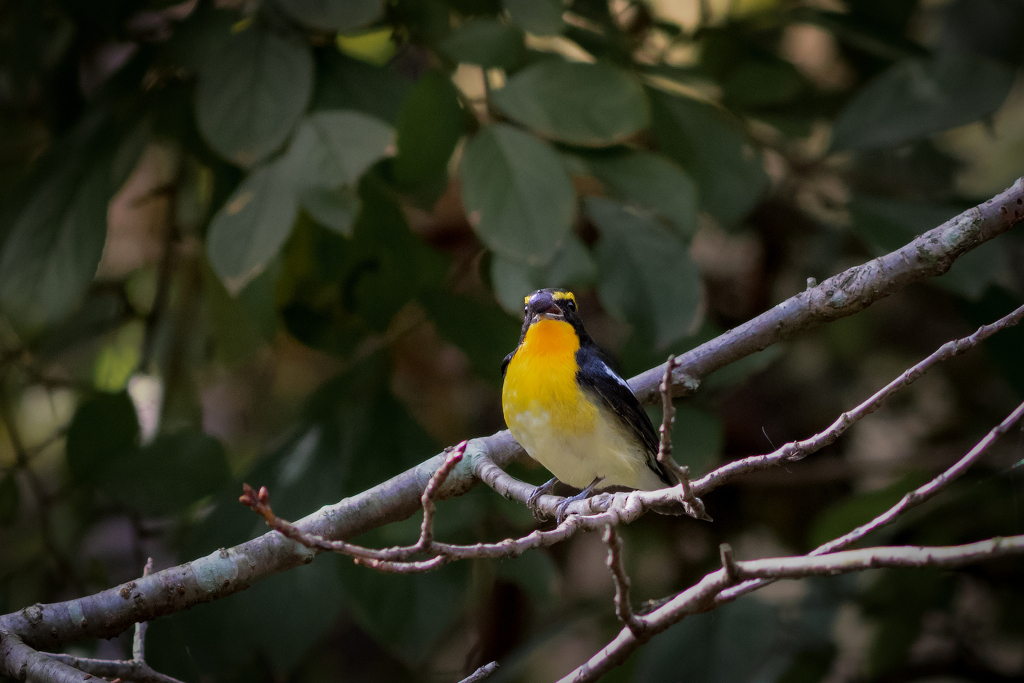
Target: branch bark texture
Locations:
point(227, 571)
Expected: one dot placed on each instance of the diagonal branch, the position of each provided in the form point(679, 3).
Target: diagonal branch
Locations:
point(227, 571)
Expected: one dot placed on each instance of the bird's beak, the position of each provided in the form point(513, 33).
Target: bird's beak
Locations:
point(552, 312)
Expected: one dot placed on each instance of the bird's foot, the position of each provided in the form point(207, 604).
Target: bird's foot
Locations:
point(582, 495)
point(541, 490)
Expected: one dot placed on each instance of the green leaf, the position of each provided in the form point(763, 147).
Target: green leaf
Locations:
point(252, 92)
point(652, 182)
point(486, 42)
point(517, 193)
point(332, 208)
point(431, 123)
point(329, 153)
point(333, 15)
point(169, 474)
point(346, 83)
point(541, 17)
point(915, 98)
point(104, 430)
point(708, 145)
point(252, 225)
point(334, 148)
point(646, 275)
point(760, 83)
point(9, 498)
point(572, 265)
point(54, 243)
point(593, 105)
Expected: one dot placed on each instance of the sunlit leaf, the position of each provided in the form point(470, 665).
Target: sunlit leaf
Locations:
point(517, 193)
point(582, 104)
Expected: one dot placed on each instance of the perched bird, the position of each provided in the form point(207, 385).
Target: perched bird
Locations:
point(570, 410)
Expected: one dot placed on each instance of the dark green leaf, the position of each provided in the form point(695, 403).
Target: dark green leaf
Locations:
point(646, 275)
point(332, 208)
point(334, 148)
point(197, 40)
point(652, 182)
point(169, 474)
point(431, 123)
point(760, 83)
point(583, 104)
point(709, 145)
point(916, 97)
point(517, 193)
point(572, 265)
point(346, 83)
point(9, 496)
point(50, 253)
point(252, 92)
point(333, 15)
point(486, 42)
point(104, 430)
point(252, 225)
point(542, 17)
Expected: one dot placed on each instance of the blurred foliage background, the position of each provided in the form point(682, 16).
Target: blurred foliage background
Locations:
point(287, 241)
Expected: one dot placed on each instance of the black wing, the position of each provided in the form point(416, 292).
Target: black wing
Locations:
point(504, 363)
point(596, 374)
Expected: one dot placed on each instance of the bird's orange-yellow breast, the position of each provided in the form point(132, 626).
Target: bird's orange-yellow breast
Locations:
point(540, 389)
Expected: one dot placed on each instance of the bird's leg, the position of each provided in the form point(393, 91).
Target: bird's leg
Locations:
point(531, 502)
point(582, 495)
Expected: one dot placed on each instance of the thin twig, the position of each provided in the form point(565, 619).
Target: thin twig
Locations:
point(694, 505)
point(139, 641)
point(910, 500)
point(623, 609)
point(481, 673)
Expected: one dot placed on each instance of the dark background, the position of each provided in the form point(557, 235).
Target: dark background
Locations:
point(287, 241)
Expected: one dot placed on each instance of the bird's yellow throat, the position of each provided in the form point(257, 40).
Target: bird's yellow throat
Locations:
point(542, 377)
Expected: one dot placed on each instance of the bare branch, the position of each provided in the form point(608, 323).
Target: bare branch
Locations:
point(623, 610)
point(732, 572)
point(27, 664)
point(139, 641)
point(227, 571)
point(481, 673)
point(694, 506)
point(125, 669)
point(700, 597)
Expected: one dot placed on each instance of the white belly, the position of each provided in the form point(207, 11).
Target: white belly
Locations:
point(578, 458)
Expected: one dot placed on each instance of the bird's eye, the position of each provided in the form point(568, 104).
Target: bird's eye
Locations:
point(571, 305)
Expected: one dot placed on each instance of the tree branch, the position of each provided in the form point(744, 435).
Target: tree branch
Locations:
point(700, 597)
point(227, 571)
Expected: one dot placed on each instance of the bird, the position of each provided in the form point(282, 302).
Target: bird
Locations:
point(570, 410)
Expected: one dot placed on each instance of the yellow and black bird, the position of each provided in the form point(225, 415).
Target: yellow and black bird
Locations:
point(570, 410)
